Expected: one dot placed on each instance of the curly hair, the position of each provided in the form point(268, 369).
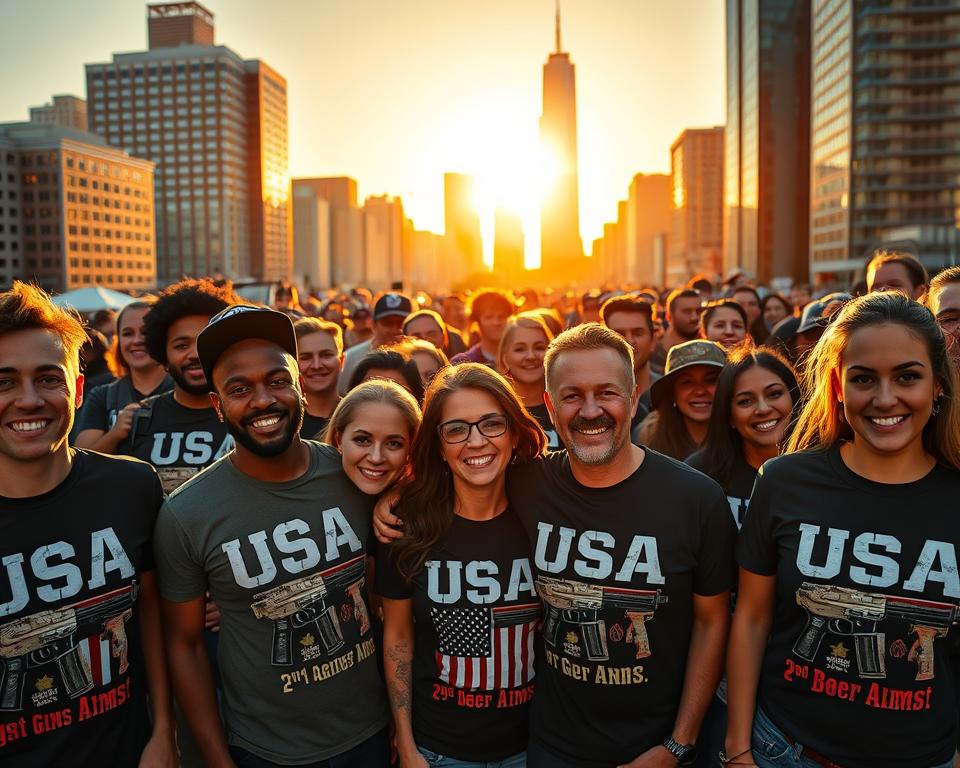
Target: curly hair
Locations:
point(188, 297)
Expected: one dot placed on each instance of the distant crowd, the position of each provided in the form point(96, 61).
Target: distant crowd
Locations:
point(709, 525)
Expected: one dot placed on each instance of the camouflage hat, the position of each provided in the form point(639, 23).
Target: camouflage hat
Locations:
point(681, 356)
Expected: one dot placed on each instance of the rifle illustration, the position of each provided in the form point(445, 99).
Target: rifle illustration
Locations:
point(579, 603)
point(296, 604)
point(851, 613)
point(51, 636)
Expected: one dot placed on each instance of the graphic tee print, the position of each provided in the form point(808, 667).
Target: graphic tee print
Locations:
point(178, 441)
point(867, 605)
point(476, 615)
point(617, 569)
point(72, 682)
point(740, 488)
point(286, 564)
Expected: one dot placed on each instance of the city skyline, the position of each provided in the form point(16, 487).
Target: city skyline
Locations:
point(477, 113)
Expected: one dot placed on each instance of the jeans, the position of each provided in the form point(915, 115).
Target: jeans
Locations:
point(772, 749)
point(538, 757)
point(439, 761)
point(372, 753)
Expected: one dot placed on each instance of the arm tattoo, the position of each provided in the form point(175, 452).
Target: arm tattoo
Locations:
point(399, 686)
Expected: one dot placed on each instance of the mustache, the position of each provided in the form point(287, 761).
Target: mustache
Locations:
point(268, 412)
point(578, 423)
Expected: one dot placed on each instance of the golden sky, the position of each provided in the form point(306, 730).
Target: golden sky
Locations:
point(396, 92)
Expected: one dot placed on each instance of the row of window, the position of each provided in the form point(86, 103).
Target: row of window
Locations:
point(108, 248)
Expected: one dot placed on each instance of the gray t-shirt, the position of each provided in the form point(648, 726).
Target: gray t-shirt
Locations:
point(285, 562)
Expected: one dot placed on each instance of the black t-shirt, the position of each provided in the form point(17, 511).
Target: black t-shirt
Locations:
point(101, 404)
point(542, 415)
point(476, 612)
point(313, 426)
point(72, 680)
point(740, 486)
point(177, 440)
point(620, 566)
point(867, 591)
point(644, 406)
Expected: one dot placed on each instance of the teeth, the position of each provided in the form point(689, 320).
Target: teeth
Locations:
point(373, 474)
point(478, 461)
point(29, 426)
point(889, 421)
point(596, 431)
point(267, 421)
point(766, 425)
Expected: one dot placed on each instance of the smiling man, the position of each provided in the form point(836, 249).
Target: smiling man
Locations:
point(179, 432)
point(80, 641)
point(278, 535)
point(633, 554)
point(320, 357)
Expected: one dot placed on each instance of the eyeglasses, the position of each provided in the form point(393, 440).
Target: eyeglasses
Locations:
point(457, 431)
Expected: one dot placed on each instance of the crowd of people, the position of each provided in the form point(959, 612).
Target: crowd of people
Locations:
point(706, 526)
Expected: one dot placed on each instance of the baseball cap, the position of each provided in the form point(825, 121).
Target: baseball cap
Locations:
point(392, 305)
point(690, 353)
point(815, 313)
point(239, 323)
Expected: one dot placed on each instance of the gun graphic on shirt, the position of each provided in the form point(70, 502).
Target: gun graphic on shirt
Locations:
point(51, 637)
point(578, 603)
point(852, 613)
point(298, 603)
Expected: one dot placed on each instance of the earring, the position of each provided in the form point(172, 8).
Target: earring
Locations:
point(935, 411)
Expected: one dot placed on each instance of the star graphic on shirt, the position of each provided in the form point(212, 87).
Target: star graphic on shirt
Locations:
point(839, 650)
point(44, 683)
point(307, 640)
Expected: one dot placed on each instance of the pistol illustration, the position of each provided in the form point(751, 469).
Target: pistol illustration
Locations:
point(579, 603)
point(51, 636)
point(851, 613)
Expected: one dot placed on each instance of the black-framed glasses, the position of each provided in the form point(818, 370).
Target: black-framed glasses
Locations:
point(457, 431)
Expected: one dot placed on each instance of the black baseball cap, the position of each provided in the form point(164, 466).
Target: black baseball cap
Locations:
point(392, 305)
point(239, 323)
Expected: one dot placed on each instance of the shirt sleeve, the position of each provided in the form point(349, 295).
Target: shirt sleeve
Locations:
point(180, 571)
point(756, 547)
point(389, 583)
point(93, 414)
point(716, 571)
point(155, 499)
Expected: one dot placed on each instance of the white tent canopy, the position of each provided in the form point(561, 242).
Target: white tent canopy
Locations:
point(92, 299)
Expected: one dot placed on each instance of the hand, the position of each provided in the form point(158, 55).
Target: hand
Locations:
point(211, 618)
point(121, 427)
point(657, 757)
point(412, 759)
point(160, 752)
point(387, 527)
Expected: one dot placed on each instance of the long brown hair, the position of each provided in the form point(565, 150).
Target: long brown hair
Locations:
point(116, 362)
point(821, 426)
point(427, 503)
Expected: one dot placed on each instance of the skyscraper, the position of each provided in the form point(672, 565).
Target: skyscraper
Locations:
point(215, 125)
point(647, 223)
point(767, 163)
point(508, 259)
point(462, 226)
point(884, 123)
point(561, 250)
point(65, 110)
point(346, 225)
point(383, 242)
point(77, 212)
point(696, 235)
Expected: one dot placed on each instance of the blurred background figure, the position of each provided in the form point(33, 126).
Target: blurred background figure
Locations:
point(319, 357)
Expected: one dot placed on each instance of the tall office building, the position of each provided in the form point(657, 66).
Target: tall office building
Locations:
point(74, 212)
point(648, 220)
point(215, 125)
point(561, 250)
point(311, 239)
point(767, 139)
point(427, 259)
point(885, 117)
point(508, 257)
point(346, 226)
point(65, 111)
point(462, 226)
point(696, 233)
point(383, 242)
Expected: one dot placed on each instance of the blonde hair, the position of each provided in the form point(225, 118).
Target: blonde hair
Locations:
point(307, 325)
point(820, 424)
point(373, 391)
point(532, 321)
point(27, 307)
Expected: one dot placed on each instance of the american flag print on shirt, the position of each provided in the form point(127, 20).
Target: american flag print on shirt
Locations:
point(95, 651)
point(486, 648)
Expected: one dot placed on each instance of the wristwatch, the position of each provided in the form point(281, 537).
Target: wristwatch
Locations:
point(686, 754)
